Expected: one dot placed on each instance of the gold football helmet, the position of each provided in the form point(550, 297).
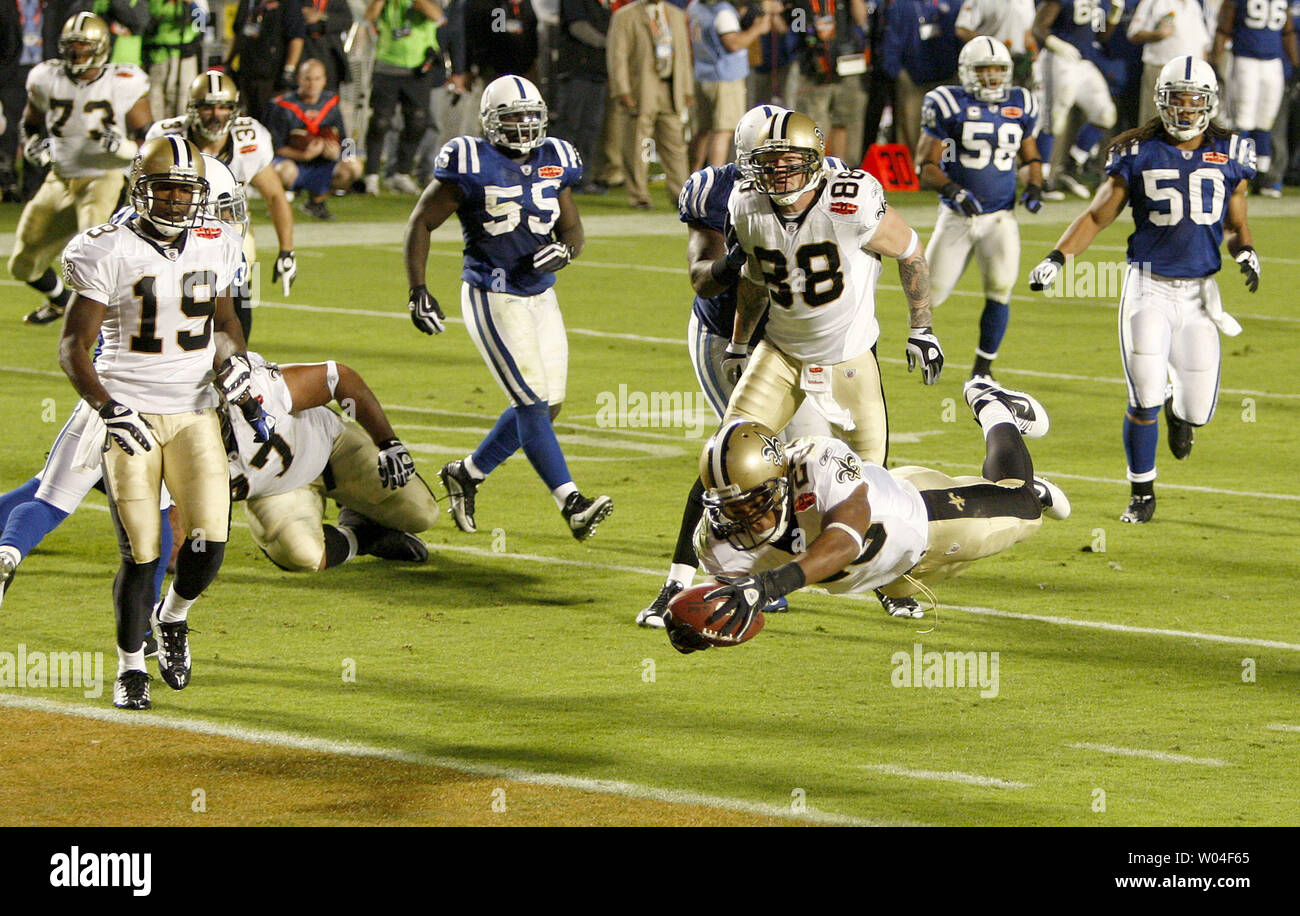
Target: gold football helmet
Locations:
point(169, 186)
point(744, 471)
point(788, 156)
point(84, 43)
point(209, 91)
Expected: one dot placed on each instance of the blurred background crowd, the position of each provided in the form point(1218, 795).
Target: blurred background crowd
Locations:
point(647, 90)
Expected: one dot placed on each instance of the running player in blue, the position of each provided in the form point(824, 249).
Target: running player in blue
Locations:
point(511, 191)
point(715, 274)
point(1260, 31)
point(971, 136)
point(1186, 178)
point(1070, 32)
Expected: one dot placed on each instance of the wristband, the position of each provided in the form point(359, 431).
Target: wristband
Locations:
point(723, 273)
point(331, 375)
point(783, 580)
point(951, 190)
point(1056, 257)
point(914, 244)
point(847, 529)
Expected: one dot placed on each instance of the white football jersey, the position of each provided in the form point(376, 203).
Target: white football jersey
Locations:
point(300, 444)
point(824, 472)
point(821, 282)
point(156, 343)
point(247, 149)
point(78, 114)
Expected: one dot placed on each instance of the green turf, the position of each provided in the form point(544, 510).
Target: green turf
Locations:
point(489, 655)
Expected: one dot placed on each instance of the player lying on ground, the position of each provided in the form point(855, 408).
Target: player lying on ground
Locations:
point(312, 455)
point(779, 517)
point(1186, 178)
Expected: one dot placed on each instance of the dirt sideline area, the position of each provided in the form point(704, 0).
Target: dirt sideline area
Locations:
point(61, 770)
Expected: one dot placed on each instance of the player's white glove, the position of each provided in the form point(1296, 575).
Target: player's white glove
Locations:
point(965, 200)
point(116, 145)
point(236, 378)
point(39, 151)
point(1249, 262)
point(425, 313)
point(550, 258)
point(1067, 52)
point(1044, 275)
point(923, 348)
point(285, 270)
point(733, 364)
point(125, 426)
point(396, 466)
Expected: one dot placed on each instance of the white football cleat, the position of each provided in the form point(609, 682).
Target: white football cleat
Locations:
point(1055, 503)
point(1030, 416)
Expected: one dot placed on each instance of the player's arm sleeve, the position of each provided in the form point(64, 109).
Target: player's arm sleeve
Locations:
point(871, 210)
point(1242, 151)
point(831, 489)
point(935, 111)
point(265, 152)
point(570, 161)
point(1120, 162)
point(232, 261)
point(1030, 123)
point(455, 163)
point(726, 21)
point(692, 203)
point(36, 92)
point(86, 270)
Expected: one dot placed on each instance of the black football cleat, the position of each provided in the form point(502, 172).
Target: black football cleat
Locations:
point(131, 690)
point(900, 607)
point(461, 488)
point(1140, 509)
point(46, 314)
point(583, 515)
point(653, 615)
point(1181, 433)
point(173, 652)
point(391, 544)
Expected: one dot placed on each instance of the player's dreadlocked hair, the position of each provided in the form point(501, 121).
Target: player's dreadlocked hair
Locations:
point(1155, 128)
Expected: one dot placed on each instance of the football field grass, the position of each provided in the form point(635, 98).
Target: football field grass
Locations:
point(1144, 675)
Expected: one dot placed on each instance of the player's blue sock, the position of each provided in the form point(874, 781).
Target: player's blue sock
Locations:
point(164, 555)
point(1045, 143)
point(540, 445)
point(1263, 148)
point(28, 524)
point(1140, 439)
point(1085, 142)
point(499, 444)
point(15, 497)
point(993, 327)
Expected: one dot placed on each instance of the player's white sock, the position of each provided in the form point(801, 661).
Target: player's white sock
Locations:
point(991, 413)
point(174, 607)
point(12, 554)
point(468, 463)
point(130, 661)
point(681, 573)
point(561, 493)
point(351, 537)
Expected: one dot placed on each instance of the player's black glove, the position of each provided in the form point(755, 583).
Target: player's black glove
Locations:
point(550, 258)
point(733, 364)
point(725, 271)
point(1249, 262)
point(923, 348)
point(396, 466)
point(965, 200)
point(125, 426)
point(746, 596)
point(1044, 275)
point(683, 638)
point(425, 313)
point(1032, 198)
point(285, 270)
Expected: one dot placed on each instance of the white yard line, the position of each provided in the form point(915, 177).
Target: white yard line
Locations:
point(1150, 755)
point(948, 776)
point(353, 749)
point(1282, 727)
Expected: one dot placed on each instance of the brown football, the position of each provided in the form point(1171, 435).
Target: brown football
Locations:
point(329, 135)
point(299, 138)
point(690, 608)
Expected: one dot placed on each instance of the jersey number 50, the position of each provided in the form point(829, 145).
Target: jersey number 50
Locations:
point(503, 206)
point(1173, 195)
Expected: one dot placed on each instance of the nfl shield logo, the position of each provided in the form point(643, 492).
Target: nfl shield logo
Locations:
point(526, 169)
point(973, 112)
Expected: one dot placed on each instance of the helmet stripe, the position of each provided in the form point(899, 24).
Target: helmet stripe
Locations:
point(1189, 68)
point(779, 133)
point(523, 93)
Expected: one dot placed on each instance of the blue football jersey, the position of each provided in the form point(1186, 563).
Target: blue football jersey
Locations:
point(1081, 23)
point(703, 201)
point(981, 140)
point(1179, 200)
point(1257, 29)
point(509, 209)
